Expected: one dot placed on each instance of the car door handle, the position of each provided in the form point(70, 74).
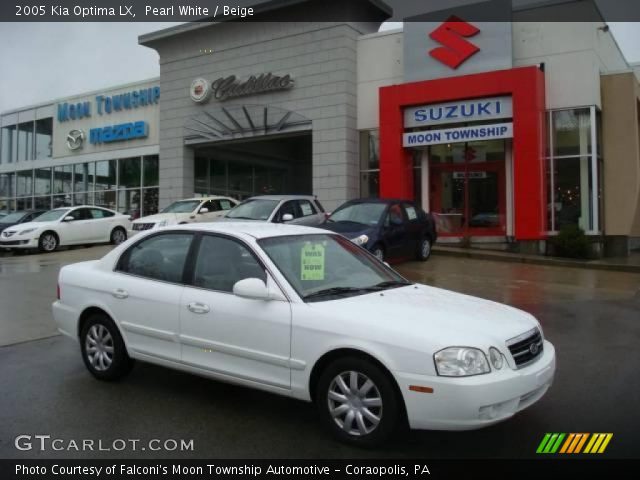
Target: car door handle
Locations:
point(120, 293)
point(197, 307)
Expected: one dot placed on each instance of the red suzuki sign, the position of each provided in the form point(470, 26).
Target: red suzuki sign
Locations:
point(452, 36)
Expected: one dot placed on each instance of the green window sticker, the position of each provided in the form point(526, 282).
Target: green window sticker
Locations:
point(312, 261)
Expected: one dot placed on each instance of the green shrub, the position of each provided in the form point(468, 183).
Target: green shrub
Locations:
point(571, 242)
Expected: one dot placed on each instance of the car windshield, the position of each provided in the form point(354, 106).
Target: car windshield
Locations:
point(183, 206)
point(12, 217)
point(52, 215)
point(364, 213)
point(326, 267)
point(253, 209)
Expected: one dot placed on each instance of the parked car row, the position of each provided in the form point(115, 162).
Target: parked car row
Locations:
point(390, 229)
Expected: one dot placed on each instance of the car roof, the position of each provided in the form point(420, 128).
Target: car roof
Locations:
point(253, 229)
point(380, 200)
point(200, 199)
point(282, 197)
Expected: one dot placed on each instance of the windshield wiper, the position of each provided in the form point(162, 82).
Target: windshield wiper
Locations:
point(333, 291)
point(389, 284)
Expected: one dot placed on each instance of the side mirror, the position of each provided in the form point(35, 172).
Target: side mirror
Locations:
point(68, 218)
point(204, 210)
point(287, 217)
point(253, 288)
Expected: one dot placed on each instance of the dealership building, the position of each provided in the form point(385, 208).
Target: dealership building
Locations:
point(506, 131)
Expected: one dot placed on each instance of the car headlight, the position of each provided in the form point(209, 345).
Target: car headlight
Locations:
point(28, 230)
point(163, 223)
point(496, 358)
point(361, 240)
point(461, 362)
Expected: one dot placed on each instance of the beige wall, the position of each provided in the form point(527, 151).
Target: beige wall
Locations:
point(621, 149)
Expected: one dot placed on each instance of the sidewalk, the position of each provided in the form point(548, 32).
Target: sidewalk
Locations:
point(630, 264)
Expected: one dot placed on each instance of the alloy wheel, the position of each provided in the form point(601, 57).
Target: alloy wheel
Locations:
point(49, 242)
point(99, 347)
point(355, 403)
point(425, 249)
point(118, 236)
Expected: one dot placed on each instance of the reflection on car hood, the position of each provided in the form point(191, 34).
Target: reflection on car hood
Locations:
point(159, 217)
point(348, 229)
point(24, 226)
point(424, 313)
point(6, 225)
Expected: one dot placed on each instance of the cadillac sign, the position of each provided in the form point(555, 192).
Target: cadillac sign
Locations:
point(229, 87)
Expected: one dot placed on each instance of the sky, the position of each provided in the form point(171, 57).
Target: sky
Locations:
point(44, 61)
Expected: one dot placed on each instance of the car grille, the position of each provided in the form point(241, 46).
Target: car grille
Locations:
point(7, 234)
point(14, 242)
point(526, 348)
point(143, 226)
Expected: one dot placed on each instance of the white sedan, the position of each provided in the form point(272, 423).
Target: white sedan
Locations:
point(67, 226)
point(191, 210)
point(303, 312)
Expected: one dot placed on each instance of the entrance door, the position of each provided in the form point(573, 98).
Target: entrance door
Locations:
point(468, 199)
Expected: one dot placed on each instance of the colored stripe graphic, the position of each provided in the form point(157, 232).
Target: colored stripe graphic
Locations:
point(574, 443)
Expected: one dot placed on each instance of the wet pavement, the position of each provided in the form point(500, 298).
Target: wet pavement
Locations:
point(592, 317)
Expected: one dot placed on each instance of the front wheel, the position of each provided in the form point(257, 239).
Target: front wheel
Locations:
point(118, 235)
point(424, 249)
point(103, 349)
point(358, 402)
point(48, 242)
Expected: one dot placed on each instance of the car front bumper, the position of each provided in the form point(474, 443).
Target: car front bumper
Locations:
point(18, 242)
point(468, 403)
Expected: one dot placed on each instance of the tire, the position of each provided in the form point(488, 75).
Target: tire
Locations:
point(378, 252)
point(118, 235)
point(48, 242)
point(424, 249)
point(347, 415)
point(103, 350)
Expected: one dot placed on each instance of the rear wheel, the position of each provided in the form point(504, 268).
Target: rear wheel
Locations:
point(118, 235)
point(48, 242)
point(103, 350)
point(424, 249)
point(358, 402)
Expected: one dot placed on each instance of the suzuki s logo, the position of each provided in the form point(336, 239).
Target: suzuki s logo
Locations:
point(455, 50)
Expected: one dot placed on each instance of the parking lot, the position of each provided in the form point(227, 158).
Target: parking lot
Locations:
point(592, 317)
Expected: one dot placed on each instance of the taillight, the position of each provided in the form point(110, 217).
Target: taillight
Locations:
point(58, 291)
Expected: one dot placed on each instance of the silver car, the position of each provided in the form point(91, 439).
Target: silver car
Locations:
point(293, 209)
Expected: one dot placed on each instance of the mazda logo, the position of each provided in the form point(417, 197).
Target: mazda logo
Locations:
point(75, 139)
point(533, 348)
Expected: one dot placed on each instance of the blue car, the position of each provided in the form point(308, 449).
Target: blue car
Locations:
point(391, 229)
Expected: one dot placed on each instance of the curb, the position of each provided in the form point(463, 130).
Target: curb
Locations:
point(532, 260)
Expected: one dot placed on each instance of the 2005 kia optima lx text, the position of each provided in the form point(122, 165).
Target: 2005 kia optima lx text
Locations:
point(306, 313)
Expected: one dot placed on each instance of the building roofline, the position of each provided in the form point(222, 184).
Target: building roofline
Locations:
point(81, 94)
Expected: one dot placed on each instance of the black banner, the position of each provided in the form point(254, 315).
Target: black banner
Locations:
point(317, 10)
point(310, 469)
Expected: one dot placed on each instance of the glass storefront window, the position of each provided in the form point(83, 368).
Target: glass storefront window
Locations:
point(43, 181)
point(370, 163)
point(571, 130)
point(129, 202)
point(151, 171)
point(84, 198)
point(62, 201)
point(106, 199)
point(9, 144)
point(83, 178)
point(201, 176)
point(130, 175)
point(62, 179)
point(25, 141)
point(106, 173)
point(447, 153)
point(572, 192)
point(7, 205)
point(240, 179)
point(7, 185)
point(218, 174)
point(25, 203)
point(24, 183)
point(42, 203)
point(44, 138)
point(149, 201)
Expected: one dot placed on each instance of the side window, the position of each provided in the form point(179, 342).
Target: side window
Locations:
point(28, 218)
point(160, 257)
point(225, 204)
point(81, 214)
point(395, 215)
point(209, 205)
point(411, 212)
point(306, 208)
point(288, 207)
point(99, 213)
point(222, 262)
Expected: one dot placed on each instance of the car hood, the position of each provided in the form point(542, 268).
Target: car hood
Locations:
point(349, 229)
point(418, 315)
point(160, 217)
point(24, 226)
point(6, 225)
point(243, 220)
